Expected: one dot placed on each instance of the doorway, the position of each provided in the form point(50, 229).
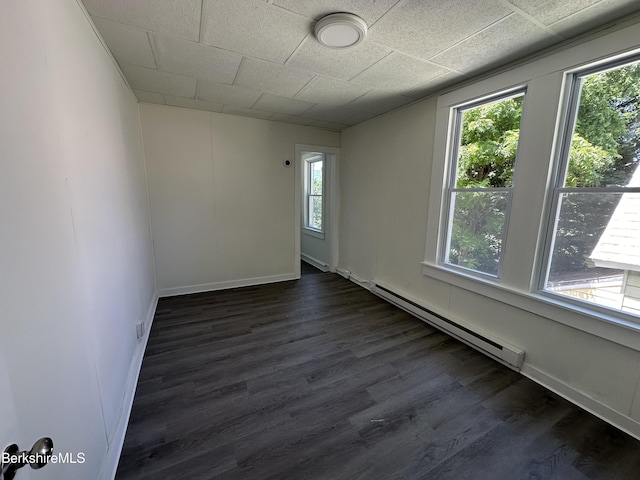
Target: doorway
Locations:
point(317, 206)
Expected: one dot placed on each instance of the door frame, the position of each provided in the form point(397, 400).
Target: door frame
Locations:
point(332, 158)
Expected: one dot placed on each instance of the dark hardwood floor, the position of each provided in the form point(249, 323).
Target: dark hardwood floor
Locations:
point(320, 379)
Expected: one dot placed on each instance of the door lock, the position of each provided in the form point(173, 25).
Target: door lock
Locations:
point(13, 459)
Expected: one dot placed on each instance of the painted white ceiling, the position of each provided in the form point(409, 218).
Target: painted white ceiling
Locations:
point(259, 58)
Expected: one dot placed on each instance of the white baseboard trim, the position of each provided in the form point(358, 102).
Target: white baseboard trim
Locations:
point(116, 440)
point(210, 287)
point(591, 405)
point(618, 420)
point(343, 272)
point(315, 262)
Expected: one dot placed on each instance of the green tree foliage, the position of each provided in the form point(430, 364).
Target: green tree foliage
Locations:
point(488, 143)
point(607, 135)
point(604, 151)
point(588, 164)
point(486, 156)
point(476, 231)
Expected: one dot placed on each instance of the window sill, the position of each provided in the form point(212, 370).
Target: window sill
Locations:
point(603, 325)
point(313, 232)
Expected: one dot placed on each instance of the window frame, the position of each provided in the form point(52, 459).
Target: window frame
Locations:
point(560, 163)
point(454, 139)
point(308, 162)
point(546, 80)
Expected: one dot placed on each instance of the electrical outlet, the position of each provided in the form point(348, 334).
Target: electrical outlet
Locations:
point(139, 329)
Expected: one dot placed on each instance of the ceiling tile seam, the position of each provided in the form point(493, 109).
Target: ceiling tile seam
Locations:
point(201, 21)
point(435, 79)
point(313, 105)
point(531, 18)
point(305, 85)
point(331, 78)
point(450, 47)
point(234, 52)
point(393, 7)
point(360, 96)
point(206, 45)
point(262, 94)
point(372, 65)
point(355, 81)
point(285, 9)
point(197, 97)
point(586, 9)
point(414, 57)
point(153, 53)
point(295, 50)
point(148, 30)
point(235, 77)
point(297, 14)
point(157, 70)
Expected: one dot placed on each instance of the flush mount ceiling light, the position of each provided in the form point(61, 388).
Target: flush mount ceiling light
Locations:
point(340, 30)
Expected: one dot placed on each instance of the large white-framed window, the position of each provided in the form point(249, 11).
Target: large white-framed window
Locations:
point(314, 192)
point(547, 203)
point(592, 249)
point(484, 144)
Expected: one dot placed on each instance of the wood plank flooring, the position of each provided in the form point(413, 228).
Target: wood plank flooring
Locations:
point(320, 379)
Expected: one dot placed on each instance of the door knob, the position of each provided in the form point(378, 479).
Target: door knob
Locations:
point(13, 459)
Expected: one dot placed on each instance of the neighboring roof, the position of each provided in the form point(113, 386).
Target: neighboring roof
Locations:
point(619, 245)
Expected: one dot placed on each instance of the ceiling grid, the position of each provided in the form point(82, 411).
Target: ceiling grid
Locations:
point(259, 58)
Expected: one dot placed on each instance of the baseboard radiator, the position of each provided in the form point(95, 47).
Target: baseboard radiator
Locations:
point(497, 349)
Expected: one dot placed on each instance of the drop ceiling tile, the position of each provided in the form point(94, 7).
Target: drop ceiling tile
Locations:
point(278, 104)
point(356, 116)
point(165, 16)
point(506, 40)
point(246, 112)
point(331, 91)
point(398, 72)
point(329, 113)
point(150, 97)
point(281, 117)
point(254, 28)
point(233, 95)
point(128, 44)
point(378, 102)
point(271, 77)
point(151, 80)
point(436, 84)
point(369, 11)
point(333, 126)
point(550, 11)
point(599, 14)
point(194, 104)
point(443, 23)
point(345, 64)
point(176, 55)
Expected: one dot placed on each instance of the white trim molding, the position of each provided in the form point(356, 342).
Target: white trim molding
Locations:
point(115, 441)
point(210, 287)
point(591, 405)
point(320, 265)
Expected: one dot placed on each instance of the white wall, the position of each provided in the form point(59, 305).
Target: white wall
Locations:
point(222, 203)
point(75, 249)
point(386, 179)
